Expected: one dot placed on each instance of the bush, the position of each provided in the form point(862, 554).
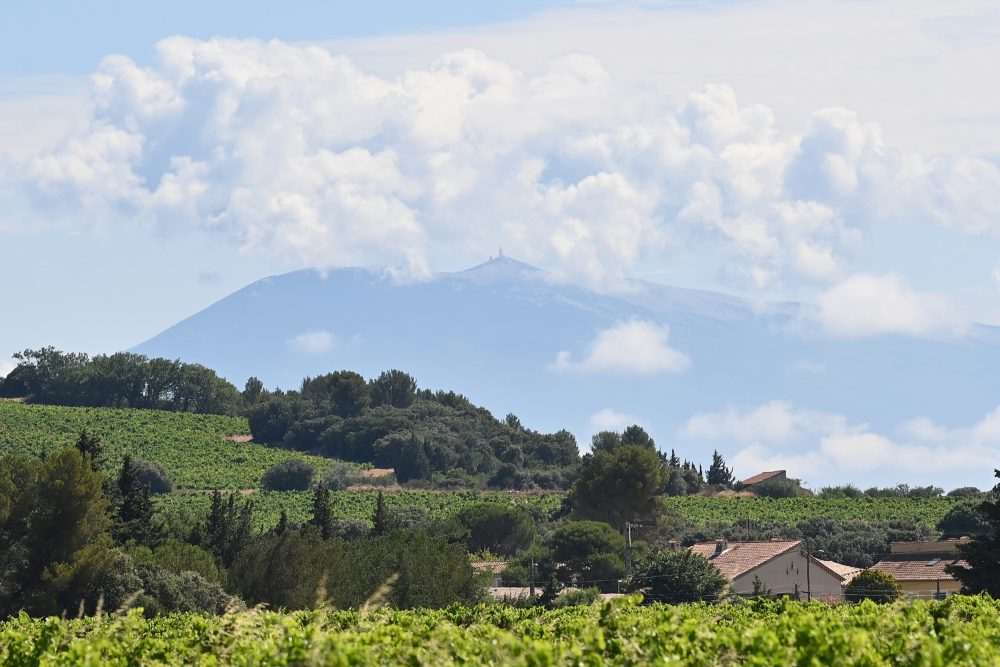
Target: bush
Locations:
point(779, 488)
point(576, 597)
point(152, 475)
point(965, 492)
point(874, 585)
point(341, 475)
point(677, 576)
point(288, 475)
point(846, 491)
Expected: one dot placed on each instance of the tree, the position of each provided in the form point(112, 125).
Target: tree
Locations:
point(587, 550)
point(134, 518)
point(982, 552)
point(618, 487)
point(874, 585)
point(253, 391)
point(49, 512)
point(393, 388)
point(322, 514)
point(380, 518)
point(607, 441)
point(636, 435)
point(152, 476)
point(227, 529)
point(676, 576)
point(90, 449)
point(288, 475)
point(501, 529)
point(718, 473)
point(344, 393)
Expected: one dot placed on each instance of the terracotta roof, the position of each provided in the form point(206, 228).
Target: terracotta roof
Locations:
point(845, 572)
point(761, 477)
point(738, 558)
point(491, 566)
point(918, 567)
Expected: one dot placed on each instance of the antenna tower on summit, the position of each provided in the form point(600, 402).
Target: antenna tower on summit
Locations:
point(500, 255)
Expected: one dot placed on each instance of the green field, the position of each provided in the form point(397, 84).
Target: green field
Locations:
point(193, 448)
point(196, 453)
point(959, 631)
point(789, 511)
point(358, 505)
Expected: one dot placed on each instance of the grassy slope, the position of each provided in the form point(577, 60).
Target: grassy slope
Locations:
point(191, 447)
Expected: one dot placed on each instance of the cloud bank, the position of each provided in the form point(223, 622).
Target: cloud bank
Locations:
point(298, 154)
point(822, 447)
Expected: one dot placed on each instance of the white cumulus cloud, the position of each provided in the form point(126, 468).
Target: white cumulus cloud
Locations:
point(6, 366)
point(868, 304)
point(313, 342)
point(299, 154)
point(635, 347)
point(824, 448)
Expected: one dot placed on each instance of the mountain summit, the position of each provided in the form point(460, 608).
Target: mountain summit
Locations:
point(561, 356)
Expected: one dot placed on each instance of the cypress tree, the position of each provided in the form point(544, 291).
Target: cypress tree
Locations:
point(322, 516)
point(718, 473)
point(380, 519)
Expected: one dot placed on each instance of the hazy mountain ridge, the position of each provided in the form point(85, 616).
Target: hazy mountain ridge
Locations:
point(494, 333)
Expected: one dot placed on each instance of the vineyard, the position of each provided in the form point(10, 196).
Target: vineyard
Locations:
point(194, 449)
point(360, 505)
point(706, 511)
point(959, 631)
point(198, 454)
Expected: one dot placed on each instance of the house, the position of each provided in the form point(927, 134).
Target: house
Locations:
point(781, 566)
point(772, 476)
point(493, 568)
point(919, 567)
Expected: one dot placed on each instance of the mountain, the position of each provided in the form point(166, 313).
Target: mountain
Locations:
point(512, 339)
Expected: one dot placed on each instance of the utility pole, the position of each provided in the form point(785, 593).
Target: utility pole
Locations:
point(531, 575)
point(809, 588)
point(628, 553)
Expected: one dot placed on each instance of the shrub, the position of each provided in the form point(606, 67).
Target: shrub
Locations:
point(965, 492)
point(341, 475)
point(576, 597)
point(288, 475)
point(779, 488)
point(152, 475)
point(677, 576)
point(874, 585)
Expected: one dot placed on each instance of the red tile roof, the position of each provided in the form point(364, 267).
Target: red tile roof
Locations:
point(491, 566)
point(919, 567)
point(761, 477)
point(845, 572)
point(738, 558)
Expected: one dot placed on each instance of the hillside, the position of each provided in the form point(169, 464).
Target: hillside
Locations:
point(196, 450)
point(517, 341)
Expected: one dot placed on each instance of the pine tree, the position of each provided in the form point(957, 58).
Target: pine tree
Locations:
point(380, 519)
point(718, 473)
point(322, 516)
point(134, 518)
point(91, 449)
point(982, 552)
point(675, 461)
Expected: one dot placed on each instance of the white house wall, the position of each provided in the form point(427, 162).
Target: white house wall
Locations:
point(784, 572)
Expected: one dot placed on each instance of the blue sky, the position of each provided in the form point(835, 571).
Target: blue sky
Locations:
point(154, 158)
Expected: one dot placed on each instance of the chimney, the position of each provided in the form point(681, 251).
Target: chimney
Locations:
point(720, 545)
point(672, 545)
